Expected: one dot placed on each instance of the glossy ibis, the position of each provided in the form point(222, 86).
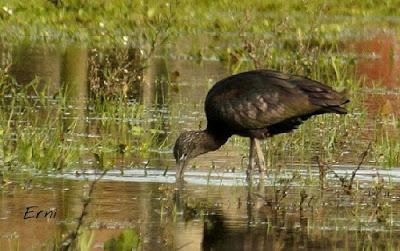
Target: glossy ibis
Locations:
point(256, 104)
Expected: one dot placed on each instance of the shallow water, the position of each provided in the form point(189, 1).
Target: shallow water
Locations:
point(215, 209)
point(223, 178)
point(208, 213)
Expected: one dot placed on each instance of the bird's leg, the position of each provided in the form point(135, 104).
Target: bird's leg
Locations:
point(251, 160)
point(261, 160)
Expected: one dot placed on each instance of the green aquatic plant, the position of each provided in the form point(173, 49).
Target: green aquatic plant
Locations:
point(129, 239)
point(117, 63)
point(387, 138)
point(116, 127)
point(85, 240)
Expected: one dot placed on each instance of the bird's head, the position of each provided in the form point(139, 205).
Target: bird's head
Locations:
point(187, 146)
point(191, 144)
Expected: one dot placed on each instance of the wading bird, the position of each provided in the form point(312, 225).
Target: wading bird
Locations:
point(256, 104)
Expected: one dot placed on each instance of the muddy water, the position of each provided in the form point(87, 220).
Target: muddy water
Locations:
point(208, 217)
point(215, 210)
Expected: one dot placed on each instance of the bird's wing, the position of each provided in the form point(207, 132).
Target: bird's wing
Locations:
point(271, 97)
point(318, 93)
point(255, 109)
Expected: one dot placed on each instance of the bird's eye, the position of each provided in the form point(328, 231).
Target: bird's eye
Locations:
point(183, 156)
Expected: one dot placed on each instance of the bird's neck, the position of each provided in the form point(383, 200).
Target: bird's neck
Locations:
point(211, 141)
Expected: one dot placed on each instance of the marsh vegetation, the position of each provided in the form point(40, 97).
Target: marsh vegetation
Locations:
point(93, 87)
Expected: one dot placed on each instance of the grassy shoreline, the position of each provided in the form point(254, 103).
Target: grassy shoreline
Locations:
point(296, 37)
point(93, 21)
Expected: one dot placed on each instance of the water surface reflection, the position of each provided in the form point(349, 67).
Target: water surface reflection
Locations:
point(201, 218)
point(212, 212)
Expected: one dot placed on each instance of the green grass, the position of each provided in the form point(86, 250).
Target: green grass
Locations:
point(114, 128)
point(118, 39)
point(46, 139)
point(142, 21)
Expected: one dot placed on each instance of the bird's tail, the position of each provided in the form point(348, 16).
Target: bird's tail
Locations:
point(343, 100)
point(335, 109)
point(325, 97)
point(330, 100)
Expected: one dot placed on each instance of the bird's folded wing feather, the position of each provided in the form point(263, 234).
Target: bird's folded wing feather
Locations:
point(254, 110)
point(283, 97)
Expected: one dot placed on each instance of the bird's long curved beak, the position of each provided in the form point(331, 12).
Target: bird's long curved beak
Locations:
point(180, 165)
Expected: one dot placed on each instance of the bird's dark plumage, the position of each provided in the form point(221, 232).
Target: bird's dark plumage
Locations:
point(257, 104)
point(263, 103)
